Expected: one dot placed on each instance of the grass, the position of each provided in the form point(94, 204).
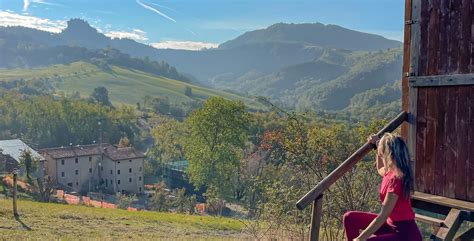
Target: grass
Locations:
point(125, 86)
point(49, 221)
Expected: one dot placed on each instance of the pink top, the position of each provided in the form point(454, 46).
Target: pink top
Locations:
point(402, 210)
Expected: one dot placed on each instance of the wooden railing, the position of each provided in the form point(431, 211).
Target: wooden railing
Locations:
point(316, 194)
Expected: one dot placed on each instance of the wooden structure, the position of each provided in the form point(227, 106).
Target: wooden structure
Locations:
point(438, 116)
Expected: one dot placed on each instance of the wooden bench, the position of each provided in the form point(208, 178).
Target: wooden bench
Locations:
point(456, 211)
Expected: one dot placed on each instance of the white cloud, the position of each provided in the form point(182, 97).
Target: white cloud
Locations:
point(135, 34)
point(186, 45)
point(13, 19)
point(155, 10)
point(26, 4)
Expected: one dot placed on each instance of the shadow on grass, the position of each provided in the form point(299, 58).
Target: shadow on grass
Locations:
point(17, 218)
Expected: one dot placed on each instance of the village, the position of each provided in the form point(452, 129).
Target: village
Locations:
point(97, 175)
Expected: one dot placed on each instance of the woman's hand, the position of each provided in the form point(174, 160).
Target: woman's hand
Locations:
point(373, 139)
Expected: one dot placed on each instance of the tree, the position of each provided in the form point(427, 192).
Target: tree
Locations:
point(159, 201)
point(218, 132)
point(188, 91)
point(101, 95)
point(124, 201)
point(161, 105)
point(28, 162)
point(124, 142)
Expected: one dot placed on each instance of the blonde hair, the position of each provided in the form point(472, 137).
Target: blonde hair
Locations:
point(394, 153)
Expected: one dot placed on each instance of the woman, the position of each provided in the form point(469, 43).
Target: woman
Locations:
point(396, 220)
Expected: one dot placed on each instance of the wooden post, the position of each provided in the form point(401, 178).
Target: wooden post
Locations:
point(316, 219)
point(452, 223)
point(15, 211)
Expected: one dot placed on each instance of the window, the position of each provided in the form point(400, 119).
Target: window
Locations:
point(111, 172)
point(90, 159)
point(129, 160)
point(76, 160)
point(139, 178)
point(77, 172)
point(90, 170)
point(62, 162)
point(106, 183)
point(110, 181)
point(101, 168)
point(118, 181)
point(118, 172)
point(70, 184)
point(130, 170)
point(129, 179)
point(62, 174)
point(140, 189)
point(140, 169)
point(77, 184)
point(118, 162)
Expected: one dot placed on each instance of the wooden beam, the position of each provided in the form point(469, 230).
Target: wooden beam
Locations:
point(316, 219)
point(429, 220)
point(443, 201)
point(441, 80)
point(451, 225)
point(347, 164)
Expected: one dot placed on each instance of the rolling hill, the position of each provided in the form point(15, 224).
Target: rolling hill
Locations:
point(125, 85)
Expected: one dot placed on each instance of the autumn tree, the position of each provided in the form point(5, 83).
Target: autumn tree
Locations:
point(217, 134)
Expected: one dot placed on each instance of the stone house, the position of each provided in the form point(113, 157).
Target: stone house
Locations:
point(85, 168)
point(11, 151)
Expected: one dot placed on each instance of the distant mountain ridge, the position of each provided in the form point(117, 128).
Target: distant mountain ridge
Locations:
point(302, 66)
point(317, 34)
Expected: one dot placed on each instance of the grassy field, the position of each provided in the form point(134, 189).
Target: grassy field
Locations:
point(125, 86)
point(50, 221)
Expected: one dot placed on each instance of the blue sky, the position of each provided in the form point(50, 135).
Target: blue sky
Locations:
point(165, 23)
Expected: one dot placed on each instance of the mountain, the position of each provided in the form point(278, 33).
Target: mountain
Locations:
point(298, 66)
point(317, 34)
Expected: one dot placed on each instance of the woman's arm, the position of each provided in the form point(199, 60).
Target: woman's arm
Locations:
point(373, 139)
point(387, 207)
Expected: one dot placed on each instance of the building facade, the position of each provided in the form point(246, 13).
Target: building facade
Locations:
point(96, 167)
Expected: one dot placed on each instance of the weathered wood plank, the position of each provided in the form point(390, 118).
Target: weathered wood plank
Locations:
point(429, 220)
point(444, 27)
point(462, 143)
point(444, 201)
point(423, 58)
point(469, 167)
point(415, 37)
point(430, 140)
point(316, 215)
point(465, 32)
point(433, 40)
point(421, 139)
point(450, 141)
point(411, 139)
point(439, 149)
point(442, 80)
point(454, 32)
point(406, 64)
point(451, 225)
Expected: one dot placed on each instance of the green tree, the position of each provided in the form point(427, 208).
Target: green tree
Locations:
point(218, 132)
point(28, 162)
point(101, 95)
point(159, 201)
point(125, 201)
point(188, 91)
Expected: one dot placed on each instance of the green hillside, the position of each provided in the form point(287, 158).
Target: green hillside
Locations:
point(125, 85)
point(49, 221)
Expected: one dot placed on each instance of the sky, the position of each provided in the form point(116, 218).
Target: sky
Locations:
point(196, 24)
